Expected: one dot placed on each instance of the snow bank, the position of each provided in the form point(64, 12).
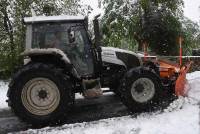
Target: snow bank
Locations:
point(194, 85)
point(3, 92)
point(181, 120)
point(184, 121)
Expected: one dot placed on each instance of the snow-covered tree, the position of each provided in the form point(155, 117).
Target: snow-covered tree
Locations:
point(191, 34)
point(131, 21)
point(119, 23)
point(12, 35)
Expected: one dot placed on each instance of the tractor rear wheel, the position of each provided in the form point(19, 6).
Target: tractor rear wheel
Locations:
point(40, 94)
point(141, 90)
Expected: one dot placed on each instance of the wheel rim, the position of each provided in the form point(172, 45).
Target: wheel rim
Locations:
point(142, 90)
point(40, 96)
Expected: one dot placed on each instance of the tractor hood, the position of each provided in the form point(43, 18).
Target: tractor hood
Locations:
point(122, 57)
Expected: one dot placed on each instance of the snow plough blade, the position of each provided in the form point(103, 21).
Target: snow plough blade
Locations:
point(180, 89)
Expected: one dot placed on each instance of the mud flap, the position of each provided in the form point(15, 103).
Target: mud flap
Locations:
point(180, 89)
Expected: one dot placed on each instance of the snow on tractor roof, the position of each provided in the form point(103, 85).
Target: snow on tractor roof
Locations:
point(53, 18)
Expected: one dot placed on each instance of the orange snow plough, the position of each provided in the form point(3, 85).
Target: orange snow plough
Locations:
point(172, 71)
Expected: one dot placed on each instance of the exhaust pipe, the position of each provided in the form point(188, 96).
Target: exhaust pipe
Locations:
point(98, 43)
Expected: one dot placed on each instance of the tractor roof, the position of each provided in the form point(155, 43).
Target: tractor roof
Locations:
point(66, 18)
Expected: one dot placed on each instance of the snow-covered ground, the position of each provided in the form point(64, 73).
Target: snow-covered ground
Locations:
point(181, 117)
point(3, 97)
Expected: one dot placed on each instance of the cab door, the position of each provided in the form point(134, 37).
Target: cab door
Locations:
point(79, 51)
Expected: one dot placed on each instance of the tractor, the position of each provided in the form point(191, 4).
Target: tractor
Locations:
point(61, 59)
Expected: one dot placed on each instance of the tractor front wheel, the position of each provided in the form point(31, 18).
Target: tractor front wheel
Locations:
point(141, 90)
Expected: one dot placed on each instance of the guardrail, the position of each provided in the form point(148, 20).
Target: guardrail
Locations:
point(196, 61)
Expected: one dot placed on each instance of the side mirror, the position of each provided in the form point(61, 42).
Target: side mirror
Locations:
point(71, 36)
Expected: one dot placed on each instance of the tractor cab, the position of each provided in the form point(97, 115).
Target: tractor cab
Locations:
point(66, 33)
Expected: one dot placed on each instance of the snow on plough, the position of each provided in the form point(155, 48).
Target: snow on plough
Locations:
point(175, 73)
point(171, 71)
point(61, 60)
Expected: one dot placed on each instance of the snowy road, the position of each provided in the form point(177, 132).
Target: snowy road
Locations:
point(107, 115)
point(107, 106)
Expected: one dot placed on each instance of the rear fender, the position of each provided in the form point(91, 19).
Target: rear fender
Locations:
point(49, 51)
